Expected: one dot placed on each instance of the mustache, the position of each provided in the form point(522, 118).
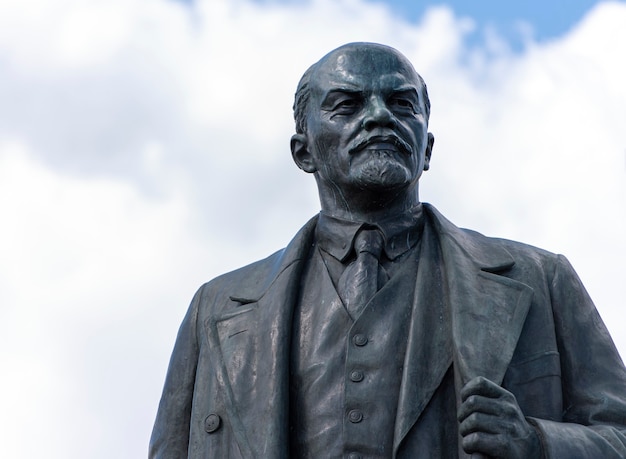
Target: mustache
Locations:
point(392, 139)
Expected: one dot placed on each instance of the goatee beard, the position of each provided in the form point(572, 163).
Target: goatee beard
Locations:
point(381, 172)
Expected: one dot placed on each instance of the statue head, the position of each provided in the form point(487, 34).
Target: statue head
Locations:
point(362, 127)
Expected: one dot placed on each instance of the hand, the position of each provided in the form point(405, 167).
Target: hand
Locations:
point(492, 423)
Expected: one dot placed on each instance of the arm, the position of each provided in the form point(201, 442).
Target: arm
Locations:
point(593, 378)
point(170, 435)
point(593, 381)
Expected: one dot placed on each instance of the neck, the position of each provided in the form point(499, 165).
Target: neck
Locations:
point(368, 207)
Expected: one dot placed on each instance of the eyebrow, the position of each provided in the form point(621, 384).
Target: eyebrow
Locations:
point(406, 89)
point(347, 88)
point(340, 90)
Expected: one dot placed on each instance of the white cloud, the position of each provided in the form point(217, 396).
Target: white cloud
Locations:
point(144, 149)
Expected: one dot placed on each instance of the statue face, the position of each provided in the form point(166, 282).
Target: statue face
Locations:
point(366, 124)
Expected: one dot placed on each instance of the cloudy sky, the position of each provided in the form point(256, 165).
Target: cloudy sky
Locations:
point(144, 149)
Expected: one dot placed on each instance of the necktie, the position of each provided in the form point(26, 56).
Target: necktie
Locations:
point(360, 280)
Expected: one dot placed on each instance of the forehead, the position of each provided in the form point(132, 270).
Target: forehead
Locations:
point(364, 69)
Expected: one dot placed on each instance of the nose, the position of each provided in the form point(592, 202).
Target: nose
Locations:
point(378, 115)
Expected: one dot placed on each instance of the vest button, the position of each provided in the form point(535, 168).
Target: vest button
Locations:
point(360, 339)
point(355, 416)
point(212, 423)
point(356, 376)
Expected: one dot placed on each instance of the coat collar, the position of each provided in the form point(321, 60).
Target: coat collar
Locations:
point(260, 279)
point(482, 252)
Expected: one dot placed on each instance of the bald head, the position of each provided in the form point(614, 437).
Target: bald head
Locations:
point(370, 55)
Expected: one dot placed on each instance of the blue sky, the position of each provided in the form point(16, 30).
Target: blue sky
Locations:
point(547, 18)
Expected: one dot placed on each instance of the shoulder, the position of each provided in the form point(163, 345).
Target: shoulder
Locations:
point(519, 250)
point(248, 283)
point(493, 253)
point(250, 275)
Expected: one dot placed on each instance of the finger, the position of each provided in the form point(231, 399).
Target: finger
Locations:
point(492, 445)
point(478, 403)
point(481, 386)
point(480, 422)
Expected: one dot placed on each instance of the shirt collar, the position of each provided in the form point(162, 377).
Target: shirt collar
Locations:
point(400, 233)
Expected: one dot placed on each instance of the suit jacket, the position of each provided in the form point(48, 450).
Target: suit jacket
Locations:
point(515, 314)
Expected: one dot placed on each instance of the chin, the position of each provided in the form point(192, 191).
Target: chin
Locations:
point(382, 175)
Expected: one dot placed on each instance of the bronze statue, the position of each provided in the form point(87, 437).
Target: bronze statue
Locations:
point(382, 330)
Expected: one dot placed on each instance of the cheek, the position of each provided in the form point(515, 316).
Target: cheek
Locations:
point(325, 155)
point(419, 134)
point(330, 134)
point(328, 141)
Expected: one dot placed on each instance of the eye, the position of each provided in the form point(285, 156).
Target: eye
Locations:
point(346, 106)
point(402, 105)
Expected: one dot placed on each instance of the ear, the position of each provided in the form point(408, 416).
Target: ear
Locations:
point(429, 151)
point(300, 153)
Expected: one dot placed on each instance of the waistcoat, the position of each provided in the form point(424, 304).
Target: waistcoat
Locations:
point(345, 374)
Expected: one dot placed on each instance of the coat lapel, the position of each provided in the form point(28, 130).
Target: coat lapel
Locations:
point(252, 338)
point(429, 349)
point(465, 314)
point(487, 309)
